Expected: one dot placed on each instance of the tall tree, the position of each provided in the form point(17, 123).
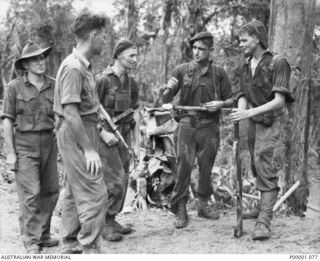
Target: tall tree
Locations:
point(41, 21)
point(291, 34)
point(132, 21)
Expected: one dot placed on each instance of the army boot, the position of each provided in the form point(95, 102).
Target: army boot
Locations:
point(49, 242)
point(110, 232)
point(33, 249)
point(262, 228)
point(261, 232)
point(181, 215)
point(124, 230)
point(93, 249)
point(71, 246)
point(206, 211)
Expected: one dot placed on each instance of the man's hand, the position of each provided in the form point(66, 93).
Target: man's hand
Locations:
point(240, 114)
point(167, 106)
point(109, 138)
point(93, 162)
point(12, 161)
point(214, 105)
point(172, 83)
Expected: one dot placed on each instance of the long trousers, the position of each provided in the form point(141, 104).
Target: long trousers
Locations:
point(84, 200)
point(267, 153)
point(37, 184)
point(115, 167)
point(201, 142)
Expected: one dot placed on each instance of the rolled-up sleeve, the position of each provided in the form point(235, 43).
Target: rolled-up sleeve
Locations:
point(9, 103)
point(240, 86)
point(281, 79)
point(71, 86)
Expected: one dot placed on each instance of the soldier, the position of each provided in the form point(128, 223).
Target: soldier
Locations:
point(200, 82)
point(28, 123)
point(264, 91)
point(118, 93)
point(77, 103)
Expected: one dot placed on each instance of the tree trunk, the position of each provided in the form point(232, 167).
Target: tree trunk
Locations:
point(132, 21)
point(168, 7)
point(291, 32)
point(194, 25)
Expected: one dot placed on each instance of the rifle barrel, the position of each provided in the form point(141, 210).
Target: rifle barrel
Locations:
point(238, 230)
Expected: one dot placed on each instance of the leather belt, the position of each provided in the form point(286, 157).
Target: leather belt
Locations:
point(35, 132)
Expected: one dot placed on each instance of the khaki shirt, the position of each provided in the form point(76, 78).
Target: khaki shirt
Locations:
point(75, 84)
point(30, 109)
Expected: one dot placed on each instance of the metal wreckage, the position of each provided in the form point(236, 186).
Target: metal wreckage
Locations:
point(153, 178)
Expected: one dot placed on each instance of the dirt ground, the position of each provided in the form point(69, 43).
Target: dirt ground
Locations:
point(154, 232)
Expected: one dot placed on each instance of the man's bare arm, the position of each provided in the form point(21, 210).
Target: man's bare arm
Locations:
point(241, 114)
point(217, 105)
point(8, 138)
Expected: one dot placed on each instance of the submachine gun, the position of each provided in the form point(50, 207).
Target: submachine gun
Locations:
point(114, 127)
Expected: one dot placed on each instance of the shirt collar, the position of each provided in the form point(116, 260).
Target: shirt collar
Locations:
point(194, 65)
point(45, 86)
point(109, 70)
point(248, 59)
point(82, 58)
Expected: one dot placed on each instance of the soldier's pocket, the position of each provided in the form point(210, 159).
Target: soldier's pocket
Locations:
point(278, 158)
point(27, 107)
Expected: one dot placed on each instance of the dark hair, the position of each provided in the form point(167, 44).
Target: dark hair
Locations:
point(207, 41)
point(248, 28)
point(256, 28)
point(87, 22)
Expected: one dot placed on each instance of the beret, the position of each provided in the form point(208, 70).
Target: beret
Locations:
point(121, 46)
point(200, 36)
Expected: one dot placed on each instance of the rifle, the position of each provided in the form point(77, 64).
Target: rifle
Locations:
point(123, 115)
point(113, 127)
point(177, 107)
point(238, 230)
point(184, 108)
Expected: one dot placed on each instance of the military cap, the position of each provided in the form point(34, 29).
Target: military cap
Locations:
point(121, 46)
point(200, 36)
point(30, 50)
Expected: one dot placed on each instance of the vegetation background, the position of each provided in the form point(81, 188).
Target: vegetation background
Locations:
point(161, 30)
